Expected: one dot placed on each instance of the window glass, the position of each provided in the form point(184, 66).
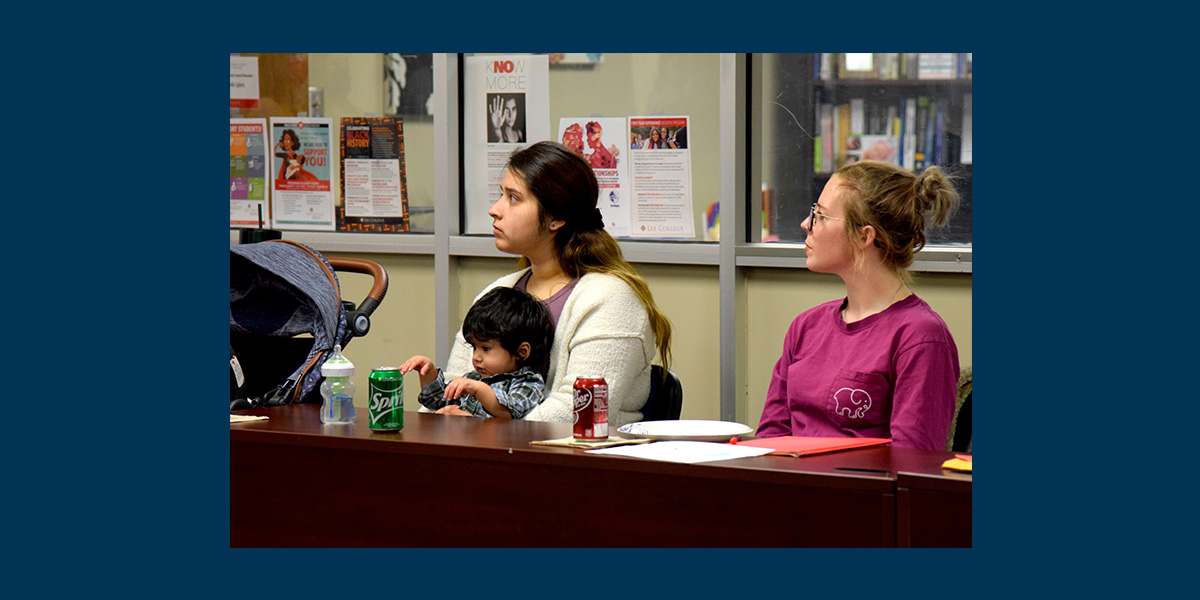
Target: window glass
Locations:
point(359, 85)
point(820, 111)
point(586, 87)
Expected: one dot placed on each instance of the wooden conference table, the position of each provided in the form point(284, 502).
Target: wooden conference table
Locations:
point(465, 482)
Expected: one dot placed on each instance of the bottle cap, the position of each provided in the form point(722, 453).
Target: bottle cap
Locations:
point(337, 365)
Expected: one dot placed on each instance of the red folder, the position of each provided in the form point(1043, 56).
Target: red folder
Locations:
point(789, 445)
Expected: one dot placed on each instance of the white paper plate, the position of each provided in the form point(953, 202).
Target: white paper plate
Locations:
point(700, 431)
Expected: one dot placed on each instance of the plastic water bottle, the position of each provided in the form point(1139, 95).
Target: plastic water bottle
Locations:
point(337, 390)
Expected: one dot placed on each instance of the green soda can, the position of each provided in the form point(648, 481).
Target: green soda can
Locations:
point(386, 399)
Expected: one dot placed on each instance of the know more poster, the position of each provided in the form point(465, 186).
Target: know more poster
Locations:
point(506, 105)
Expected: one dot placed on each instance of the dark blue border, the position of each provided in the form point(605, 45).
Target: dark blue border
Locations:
point(159, 497)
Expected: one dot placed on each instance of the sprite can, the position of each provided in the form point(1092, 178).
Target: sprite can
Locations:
point(386, 399)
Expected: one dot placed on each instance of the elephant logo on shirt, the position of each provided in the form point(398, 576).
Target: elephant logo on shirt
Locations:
point(851, 403)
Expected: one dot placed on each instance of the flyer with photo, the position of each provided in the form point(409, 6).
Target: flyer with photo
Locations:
point(661, 178)
point(374, 191)
point(506, 106)
point(301, 190)
point(602, 142)
point(248, 173)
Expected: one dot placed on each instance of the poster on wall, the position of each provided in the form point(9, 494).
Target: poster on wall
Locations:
point(248, 173)
point(661, 176)
point(506, 106)
point(243, 81)
point(408, 85)
point(374, 191)
point(301, 190)
point(601, 141)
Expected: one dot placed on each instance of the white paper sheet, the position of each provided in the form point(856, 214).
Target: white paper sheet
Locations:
point(684, 451)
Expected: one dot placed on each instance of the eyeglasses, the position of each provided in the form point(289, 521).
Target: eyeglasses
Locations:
point(813, 213)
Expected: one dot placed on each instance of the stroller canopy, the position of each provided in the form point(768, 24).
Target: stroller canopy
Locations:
point(282, 290)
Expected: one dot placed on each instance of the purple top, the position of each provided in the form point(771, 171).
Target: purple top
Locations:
point(554, 303)
point(891, 375)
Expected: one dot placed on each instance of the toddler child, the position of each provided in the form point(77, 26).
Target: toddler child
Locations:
point(510, 334)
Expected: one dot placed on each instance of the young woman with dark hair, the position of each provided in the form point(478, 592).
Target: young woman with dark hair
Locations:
point(607, 324)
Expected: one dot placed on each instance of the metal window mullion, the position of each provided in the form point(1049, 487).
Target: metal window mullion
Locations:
point(445, 196)
point(733, 206)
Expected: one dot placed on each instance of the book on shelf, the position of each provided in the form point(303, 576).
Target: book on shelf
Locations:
point(930, 118)
point(857, 116)
point(908, 65)
point(939, 136)
point(818, 138)
point(909, 136)
point(953, 146)
point(825, 65)
point(875, 112)
point(842, 130)
point(964, 149)
point(827, 137)
point(932, 65)
point(889, 65)
point(919, 123)
point(818, 144)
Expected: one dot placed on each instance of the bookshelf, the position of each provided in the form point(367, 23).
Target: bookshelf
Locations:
point(886, 108)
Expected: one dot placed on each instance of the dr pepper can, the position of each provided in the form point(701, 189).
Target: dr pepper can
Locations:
point(591, 408)
point(386, 399)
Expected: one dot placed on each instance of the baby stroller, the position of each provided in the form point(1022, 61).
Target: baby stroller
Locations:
point(285, 316)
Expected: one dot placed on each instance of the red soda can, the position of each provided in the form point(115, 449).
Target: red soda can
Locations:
point(591, 408)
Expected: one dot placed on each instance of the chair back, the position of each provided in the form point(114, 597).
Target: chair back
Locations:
point(666, 396)
point(962, 433)
point(959, 437)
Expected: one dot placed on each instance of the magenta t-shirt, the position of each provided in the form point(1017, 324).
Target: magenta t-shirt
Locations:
point(891, 375)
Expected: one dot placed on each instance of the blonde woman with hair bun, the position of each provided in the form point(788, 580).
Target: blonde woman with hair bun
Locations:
point(878, 362)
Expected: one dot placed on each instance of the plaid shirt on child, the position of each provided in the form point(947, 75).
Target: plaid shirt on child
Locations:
point(519, 391)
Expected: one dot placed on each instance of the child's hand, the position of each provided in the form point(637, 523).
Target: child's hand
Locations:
point(423, 366)
point(453, 409)
point(461, 387)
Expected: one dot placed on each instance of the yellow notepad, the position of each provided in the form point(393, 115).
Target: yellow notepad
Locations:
point(961, 462)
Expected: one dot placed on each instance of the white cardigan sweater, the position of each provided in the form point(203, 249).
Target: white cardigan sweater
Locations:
point(604, 330)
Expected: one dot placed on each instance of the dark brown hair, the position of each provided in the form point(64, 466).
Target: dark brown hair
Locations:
point(895, 203)
point(566, 189)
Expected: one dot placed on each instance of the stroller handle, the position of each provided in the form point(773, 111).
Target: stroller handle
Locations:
point(366, 267)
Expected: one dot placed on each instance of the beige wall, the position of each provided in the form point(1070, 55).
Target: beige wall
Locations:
point(401, 326)
point(689, 295)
